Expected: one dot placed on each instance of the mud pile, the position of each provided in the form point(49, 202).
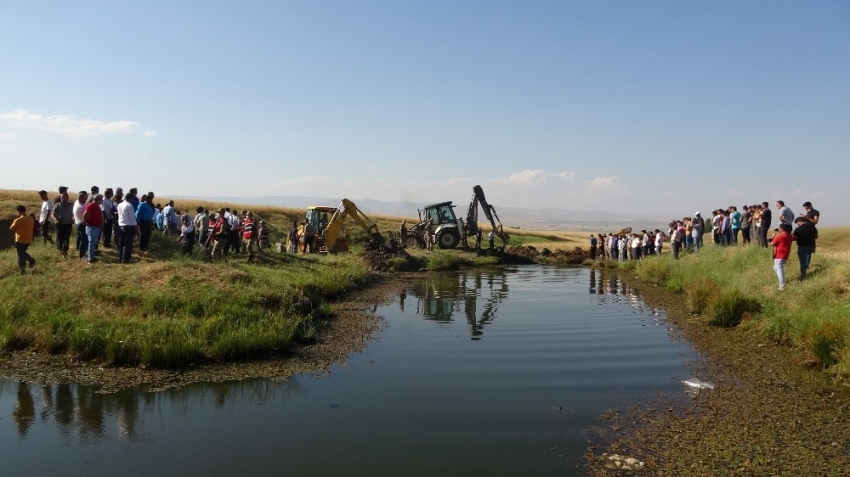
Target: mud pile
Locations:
point(390, 259)
point(558, 257)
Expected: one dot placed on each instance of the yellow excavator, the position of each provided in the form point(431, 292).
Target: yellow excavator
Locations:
point(332, 235)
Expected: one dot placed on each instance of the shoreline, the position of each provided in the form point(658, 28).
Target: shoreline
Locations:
point(348, 332)
point(769, 413)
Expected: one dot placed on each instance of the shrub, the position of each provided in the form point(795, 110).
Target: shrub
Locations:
point(826, 342)
point(702, 292)
point(654, 271)
point(729, 308)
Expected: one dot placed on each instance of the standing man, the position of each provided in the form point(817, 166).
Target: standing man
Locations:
point(144, 218)
point(766, 217)
point(129, 227)
point(169, 219)
point(201, 223)
point(108, 209)
point(23, 227)
point(219, 234)
point(735, 222)
point(80, 222)
point(697, 225)
point(812, 215)
point(806, 234)
point(46, 216)
point(785, 214)
point(63, 214)
point(249, 236)
point(93, 217)
point(402, 232)
point(746, 223)
point(309, 238)
point(593, 244)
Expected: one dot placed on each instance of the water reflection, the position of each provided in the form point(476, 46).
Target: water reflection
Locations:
point(609, 288)
point(475, 294)
point(83, 411)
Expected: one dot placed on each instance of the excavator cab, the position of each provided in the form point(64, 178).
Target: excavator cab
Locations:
point(446, 227)
point(319, 217)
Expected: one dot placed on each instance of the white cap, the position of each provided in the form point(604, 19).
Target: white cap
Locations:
point(697, 213)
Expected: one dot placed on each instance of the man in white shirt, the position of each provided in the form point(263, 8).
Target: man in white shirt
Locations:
point(46, 216)
point(82, 238)
point(128, 226)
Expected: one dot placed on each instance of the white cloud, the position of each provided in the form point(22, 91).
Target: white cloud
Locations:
point(7, 136)
point(67, 125)
point(149, 133)
point(534, 176)
point(603, 182)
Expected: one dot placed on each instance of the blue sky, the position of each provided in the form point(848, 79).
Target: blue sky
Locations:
point(640, 107)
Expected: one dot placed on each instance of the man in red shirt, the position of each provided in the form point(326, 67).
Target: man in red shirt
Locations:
point(782, 251)
point(93, 218)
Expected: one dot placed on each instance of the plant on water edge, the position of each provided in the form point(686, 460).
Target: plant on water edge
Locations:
point(654, 270)
point(729, 307)
point(444, 262)
point(701, 292)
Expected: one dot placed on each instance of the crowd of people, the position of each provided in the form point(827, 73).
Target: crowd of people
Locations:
point(728, 227)
point(124, 220)
point(120, 219)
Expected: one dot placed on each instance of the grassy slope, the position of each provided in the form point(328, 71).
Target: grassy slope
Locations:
point(738, 285)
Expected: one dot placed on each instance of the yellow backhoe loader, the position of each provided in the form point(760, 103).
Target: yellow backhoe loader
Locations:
point(332, 235)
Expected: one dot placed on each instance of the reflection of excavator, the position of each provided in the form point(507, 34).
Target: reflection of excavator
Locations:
point(489, 211)
point(333, 237)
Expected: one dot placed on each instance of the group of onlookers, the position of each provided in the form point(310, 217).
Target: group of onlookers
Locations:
point(727, 226)
point(119, 218)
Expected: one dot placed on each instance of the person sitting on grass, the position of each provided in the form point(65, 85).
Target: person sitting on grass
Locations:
point(782, 251)
point(23, 228)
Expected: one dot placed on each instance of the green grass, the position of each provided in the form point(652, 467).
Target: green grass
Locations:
point(168, 310)
point(736, 286)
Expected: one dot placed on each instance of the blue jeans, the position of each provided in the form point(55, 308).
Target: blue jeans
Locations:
point(734, 236)
point(92, 234)
point(804, 253)
point(779, 268)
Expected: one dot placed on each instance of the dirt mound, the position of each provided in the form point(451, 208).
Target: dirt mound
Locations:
point(390, 259)
point(557, 257)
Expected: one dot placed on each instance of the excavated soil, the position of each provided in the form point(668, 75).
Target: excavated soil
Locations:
point(577, 256)
point(346, 333)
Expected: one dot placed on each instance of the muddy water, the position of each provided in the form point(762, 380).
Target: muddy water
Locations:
point(475, 373)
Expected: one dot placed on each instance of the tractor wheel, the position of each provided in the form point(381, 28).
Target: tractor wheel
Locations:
point(411, 242)
point(448, 238)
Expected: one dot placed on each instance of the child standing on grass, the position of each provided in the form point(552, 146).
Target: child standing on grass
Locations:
point(781, 252)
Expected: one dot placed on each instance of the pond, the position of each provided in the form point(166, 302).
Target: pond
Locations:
point(474, 373)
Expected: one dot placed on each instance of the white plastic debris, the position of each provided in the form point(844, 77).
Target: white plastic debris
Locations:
point(695, 383)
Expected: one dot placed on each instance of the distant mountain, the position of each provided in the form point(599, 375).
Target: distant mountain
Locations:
point(543, 218)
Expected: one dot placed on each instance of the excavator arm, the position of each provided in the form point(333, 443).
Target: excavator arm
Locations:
point(349, 209)
point(489, 211)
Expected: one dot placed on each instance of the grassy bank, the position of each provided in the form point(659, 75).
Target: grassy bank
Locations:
point(166, 310)
point(737, 287)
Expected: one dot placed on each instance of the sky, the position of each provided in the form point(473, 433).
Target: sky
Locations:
point(661, 107)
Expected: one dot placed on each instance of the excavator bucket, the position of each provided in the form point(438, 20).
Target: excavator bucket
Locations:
point(376, 241)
